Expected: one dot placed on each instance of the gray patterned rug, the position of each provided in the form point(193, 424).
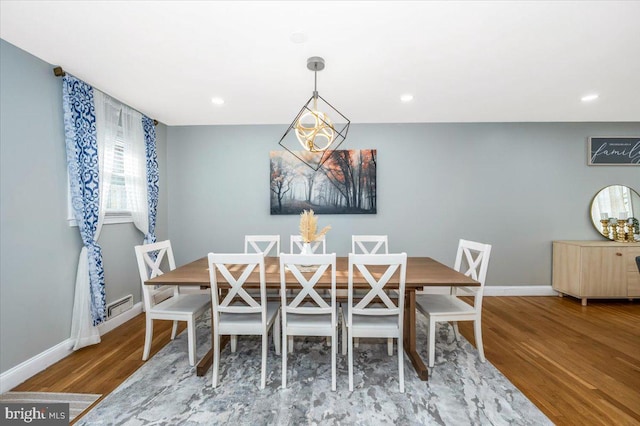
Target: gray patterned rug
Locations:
point(461, 390)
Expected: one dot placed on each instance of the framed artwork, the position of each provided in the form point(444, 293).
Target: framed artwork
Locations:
point(614, 151)
point(345, 184)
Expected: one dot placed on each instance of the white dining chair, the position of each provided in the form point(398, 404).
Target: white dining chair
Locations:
point(317, 246)
point(237, 312)
point(268, 245)
point(167, 302)
point(472, 259)
point(369, 244)
point(306, 312)
point(376, 314)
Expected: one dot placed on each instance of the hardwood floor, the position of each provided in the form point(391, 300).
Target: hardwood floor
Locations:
point(579, 365)
point(101, 368)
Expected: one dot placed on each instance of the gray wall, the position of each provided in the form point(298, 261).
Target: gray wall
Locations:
point(517, 186)
point(39, 250)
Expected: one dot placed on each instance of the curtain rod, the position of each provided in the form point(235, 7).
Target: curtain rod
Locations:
point(59, 72)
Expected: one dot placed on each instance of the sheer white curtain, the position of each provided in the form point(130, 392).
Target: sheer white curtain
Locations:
point(111, 117)
point(83, 332)
point(135, 168)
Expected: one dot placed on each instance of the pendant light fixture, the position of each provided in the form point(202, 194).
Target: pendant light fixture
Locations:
point(318, 129)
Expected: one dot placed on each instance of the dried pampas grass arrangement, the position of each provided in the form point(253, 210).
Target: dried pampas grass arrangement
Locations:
point(309, 225)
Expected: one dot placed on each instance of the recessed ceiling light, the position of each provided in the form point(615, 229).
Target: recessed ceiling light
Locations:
point(217, 101)
point(298, 37)
point(589, 98)
point(406, 98)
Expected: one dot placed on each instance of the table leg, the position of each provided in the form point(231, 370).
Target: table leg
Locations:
point(410, 335)
point(207, 360)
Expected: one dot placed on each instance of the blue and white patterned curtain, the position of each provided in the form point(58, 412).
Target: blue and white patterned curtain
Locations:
point(83, 167)
point(152, 176)
point(92, 119)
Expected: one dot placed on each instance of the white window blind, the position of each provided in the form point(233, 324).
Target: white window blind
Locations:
point(117, 199)
point(117, 209)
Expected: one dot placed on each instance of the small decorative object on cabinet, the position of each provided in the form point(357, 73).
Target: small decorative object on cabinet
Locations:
point(596, 269)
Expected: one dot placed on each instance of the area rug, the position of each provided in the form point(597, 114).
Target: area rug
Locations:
point(460, 391)
point(78, 402)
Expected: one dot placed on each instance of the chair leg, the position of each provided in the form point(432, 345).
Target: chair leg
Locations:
point(174, 330)
point(276, 333)
point(284, 356)
point(432, 341)
point(456, 332)
point(401, 363)
point(356, 342)
point(390, 346)
point(478, 332)
point(216, 357)
point(334, 355)
point(265, 346)
point(191, 333)
point(234, 343)
point(328, 341)
point(344, 336)
point(350, 343)
point(148, 337)
point(290, 344)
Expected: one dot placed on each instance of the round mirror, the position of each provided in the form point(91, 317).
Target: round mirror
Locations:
point(612, 204)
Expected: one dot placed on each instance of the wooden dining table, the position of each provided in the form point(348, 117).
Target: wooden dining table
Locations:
point(421, 272)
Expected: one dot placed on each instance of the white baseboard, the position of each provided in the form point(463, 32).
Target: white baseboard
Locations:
point(507, 290)
point(519, 290)
point(29, 368)
point(21, 372)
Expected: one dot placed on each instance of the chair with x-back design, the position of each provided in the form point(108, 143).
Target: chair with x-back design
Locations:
point(369, 244)
point(268, 245)
point(472, 259)
point(376, 314)
point(177, 307)
point(305, 312)
point(237, 312)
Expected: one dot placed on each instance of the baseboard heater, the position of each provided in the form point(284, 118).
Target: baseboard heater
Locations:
point(119, 306)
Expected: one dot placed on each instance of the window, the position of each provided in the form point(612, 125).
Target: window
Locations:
point(117, 209)
point(117, 198)
point(123, 167)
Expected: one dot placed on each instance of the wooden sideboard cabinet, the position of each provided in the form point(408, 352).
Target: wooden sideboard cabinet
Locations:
point(596, 269)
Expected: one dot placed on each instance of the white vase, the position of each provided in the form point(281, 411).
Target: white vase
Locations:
point(306, 248)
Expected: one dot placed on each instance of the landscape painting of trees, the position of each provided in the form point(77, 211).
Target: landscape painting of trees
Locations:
point(345, 184)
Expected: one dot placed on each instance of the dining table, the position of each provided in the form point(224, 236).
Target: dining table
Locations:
point(421, 272)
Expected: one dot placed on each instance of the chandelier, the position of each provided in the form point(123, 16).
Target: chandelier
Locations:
point(313, 127)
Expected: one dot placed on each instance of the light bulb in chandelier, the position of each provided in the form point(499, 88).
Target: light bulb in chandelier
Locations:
point(315, 131)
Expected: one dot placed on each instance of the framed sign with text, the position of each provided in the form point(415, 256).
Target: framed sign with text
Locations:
point(614, 151)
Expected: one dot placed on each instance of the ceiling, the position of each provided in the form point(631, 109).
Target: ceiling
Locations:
point(470, 61)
